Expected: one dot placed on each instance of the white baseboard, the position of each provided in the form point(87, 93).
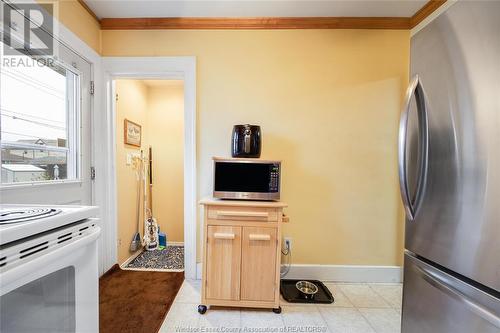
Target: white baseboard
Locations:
point(175, 243)
point(132, 257)
point(340, 273)
point(347, 273)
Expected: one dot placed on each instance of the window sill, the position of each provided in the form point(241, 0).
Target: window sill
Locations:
point(39, 184)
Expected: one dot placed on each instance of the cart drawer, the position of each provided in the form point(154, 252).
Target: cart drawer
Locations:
point(236, 213)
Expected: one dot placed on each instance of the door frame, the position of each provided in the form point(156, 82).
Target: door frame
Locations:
point(169, 68)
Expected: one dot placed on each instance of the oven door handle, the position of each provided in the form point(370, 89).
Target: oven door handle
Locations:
point(36, 264)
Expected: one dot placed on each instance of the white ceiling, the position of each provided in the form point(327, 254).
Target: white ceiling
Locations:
point(258, 8)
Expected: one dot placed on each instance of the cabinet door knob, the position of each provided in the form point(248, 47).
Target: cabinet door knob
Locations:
point(222, 235)
point(257, 237)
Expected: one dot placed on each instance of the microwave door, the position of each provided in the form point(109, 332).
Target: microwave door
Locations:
point(246, 180)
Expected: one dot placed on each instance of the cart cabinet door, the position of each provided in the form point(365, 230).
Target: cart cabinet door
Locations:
point(258, 264)
point(223, 262)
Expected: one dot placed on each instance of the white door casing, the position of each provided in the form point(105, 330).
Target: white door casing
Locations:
point(174, 68)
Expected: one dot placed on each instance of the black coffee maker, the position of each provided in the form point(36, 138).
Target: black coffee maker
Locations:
point(246, 141)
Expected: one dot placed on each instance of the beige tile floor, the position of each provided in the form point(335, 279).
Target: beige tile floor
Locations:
point(358, 307)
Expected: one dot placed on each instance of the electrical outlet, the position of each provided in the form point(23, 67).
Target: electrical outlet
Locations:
point(288, 243)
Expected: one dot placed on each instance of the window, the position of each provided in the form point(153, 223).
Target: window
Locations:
point(39, 105)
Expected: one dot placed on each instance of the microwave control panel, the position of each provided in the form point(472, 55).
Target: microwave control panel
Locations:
point(274, 181)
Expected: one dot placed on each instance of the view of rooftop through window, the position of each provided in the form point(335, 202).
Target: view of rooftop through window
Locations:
point(35, 122)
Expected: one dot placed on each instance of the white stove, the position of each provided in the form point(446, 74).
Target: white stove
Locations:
point(21, 221)
point(48, 268)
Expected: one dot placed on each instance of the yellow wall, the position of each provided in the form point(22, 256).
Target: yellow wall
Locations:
point(328, 103)
point(132, 101)
point(160, 111)
point(166, 136)
point(79, 21)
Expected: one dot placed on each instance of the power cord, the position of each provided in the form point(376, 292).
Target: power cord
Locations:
point(287, 253)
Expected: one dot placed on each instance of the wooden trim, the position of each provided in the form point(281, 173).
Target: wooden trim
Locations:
point(90, 11)
point(255, 23)
point(263, 23)
point(425, 11)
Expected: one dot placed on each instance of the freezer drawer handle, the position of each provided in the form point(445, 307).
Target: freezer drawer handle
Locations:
point(222, 235)
point(446, 287)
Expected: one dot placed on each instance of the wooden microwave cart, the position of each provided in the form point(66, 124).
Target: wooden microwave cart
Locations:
point(241, 254)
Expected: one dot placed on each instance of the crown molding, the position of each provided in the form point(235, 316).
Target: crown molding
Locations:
point(90, 11)
point(265, 23)
point(425, 11)
point(255, 23)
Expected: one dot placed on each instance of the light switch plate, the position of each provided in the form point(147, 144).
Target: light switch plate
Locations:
point(129, 158)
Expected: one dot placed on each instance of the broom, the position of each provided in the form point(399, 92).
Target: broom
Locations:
point(136, 239)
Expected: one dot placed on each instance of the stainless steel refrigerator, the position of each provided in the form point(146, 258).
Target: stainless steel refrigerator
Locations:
point(449, 168)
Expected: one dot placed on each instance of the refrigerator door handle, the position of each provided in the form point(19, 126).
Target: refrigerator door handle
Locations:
point(415, 88)
point(449, 289)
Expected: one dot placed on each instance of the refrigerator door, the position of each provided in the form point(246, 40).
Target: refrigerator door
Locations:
point(452, 191)
point(434, 301)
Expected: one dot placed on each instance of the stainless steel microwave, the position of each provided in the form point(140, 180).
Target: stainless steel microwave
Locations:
point(246, 179)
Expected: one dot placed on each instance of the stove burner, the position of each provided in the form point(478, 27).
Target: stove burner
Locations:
point(23, 214)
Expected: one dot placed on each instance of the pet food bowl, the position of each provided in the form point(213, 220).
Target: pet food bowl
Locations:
point(307, 289)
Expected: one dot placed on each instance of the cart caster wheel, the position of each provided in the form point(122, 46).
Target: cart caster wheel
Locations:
point(277, 310)
point(202, 309)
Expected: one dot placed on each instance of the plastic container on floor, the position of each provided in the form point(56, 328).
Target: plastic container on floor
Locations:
point(162, 239)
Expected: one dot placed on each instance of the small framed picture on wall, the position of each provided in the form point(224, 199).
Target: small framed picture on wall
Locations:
point(133, 133)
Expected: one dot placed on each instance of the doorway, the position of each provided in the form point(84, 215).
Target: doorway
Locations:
point(148, 69)
point(149, 119)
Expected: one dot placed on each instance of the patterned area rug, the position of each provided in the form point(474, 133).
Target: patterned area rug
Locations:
point(170, 259)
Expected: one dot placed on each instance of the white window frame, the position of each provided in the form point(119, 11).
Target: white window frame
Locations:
point(73, 125)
